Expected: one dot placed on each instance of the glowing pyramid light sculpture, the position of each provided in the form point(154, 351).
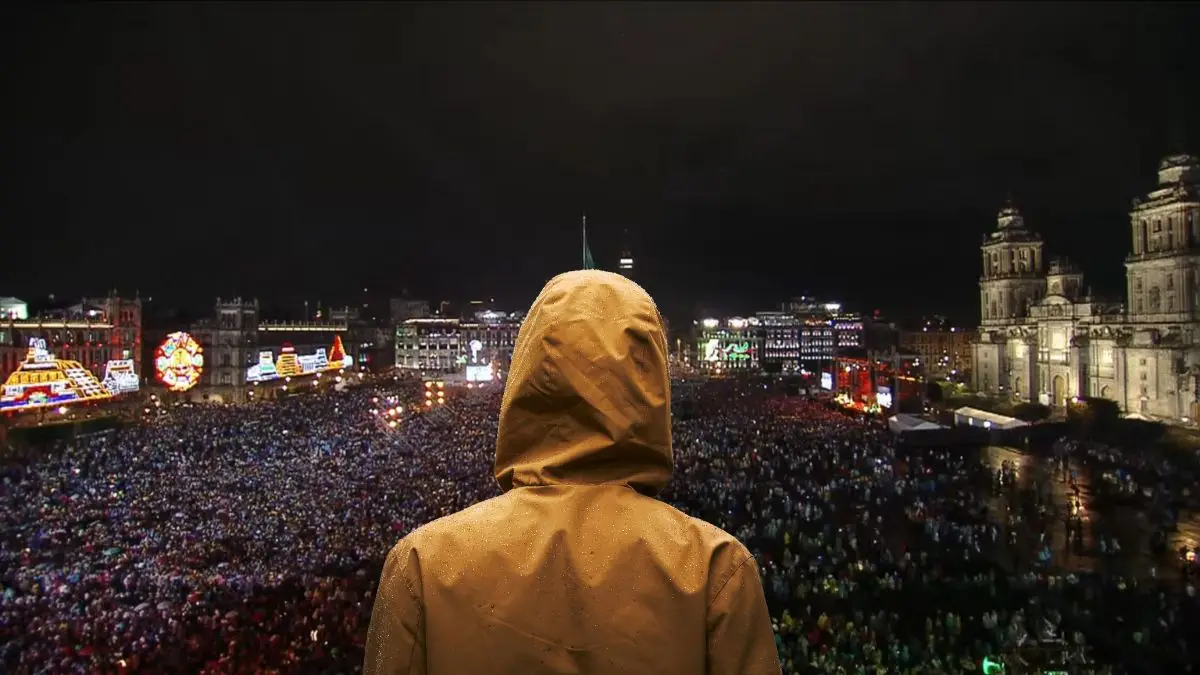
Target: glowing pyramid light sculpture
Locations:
point(43, 380)
point(337, 354)
point(288, 365)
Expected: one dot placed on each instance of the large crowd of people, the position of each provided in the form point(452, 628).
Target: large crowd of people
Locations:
point(238, 539)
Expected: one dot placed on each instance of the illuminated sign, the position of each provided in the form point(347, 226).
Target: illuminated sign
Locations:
point(738, 351)
point(266, 368)
point(883, 397)
point(179, 361)
point(291, 364)
point(120, 377)
point(827, 381)
point(43, 380)
point(712, 350)
point(480, 373)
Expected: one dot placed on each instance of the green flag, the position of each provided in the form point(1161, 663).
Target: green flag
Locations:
point(588, 262)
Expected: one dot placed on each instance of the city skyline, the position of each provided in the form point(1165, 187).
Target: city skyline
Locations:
point(450, 151)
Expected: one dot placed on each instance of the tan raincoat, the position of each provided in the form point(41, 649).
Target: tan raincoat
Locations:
point(576, 568)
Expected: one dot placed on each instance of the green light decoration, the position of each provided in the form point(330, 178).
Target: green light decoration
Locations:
point(990, 666)
point(738, 352)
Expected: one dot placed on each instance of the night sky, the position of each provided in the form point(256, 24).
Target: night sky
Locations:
point(752, 151)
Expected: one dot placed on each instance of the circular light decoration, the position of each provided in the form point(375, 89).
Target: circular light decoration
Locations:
point(178, 362)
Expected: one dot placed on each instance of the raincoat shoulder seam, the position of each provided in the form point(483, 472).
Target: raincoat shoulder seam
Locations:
point(402, 574)
point(732, 573)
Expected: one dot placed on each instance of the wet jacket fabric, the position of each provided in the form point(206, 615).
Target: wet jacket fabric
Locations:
point(576, 568)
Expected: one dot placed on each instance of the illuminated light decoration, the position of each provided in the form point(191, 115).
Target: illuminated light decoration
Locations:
point(179, 362)
point(483, 373)
point(265, 370)
point(337, 354)
point(43, 380)
point(883, 397)
point(60, 324)
point(120, 377)
point(476, 346)
point(713, 351)
point(291, 364)
point(990, 667)
point(710, 323)
point(740, 351)
point(301, 327)
point(288, 363)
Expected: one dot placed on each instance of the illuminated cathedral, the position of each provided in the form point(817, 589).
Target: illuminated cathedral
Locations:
point(1042, 337)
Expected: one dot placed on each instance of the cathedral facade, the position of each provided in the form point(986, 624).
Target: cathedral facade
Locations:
point(1043, 338)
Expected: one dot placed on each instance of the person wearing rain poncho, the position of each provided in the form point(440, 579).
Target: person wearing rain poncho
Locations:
point(576, 568)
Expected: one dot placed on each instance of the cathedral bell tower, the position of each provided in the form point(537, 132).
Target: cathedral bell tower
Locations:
point(1013, 276)
point(1013, 279)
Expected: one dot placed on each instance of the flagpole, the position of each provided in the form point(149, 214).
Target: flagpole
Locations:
point(585, 241)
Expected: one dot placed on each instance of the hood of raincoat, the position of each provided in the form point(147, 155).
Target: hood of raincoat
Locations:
point(588, 399)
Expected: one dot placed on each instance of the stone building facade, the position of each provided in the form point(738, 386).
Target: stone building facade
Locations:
point(1043, 338)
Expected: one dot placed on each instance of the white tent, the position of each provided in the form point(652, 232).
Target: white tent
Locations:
point(903, 423)
point(974, 417)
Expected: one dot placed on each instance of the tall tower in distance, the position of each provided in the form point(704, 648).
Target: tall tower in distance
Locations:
point(1013, 277)
point(1161, 273)
point(625, 262)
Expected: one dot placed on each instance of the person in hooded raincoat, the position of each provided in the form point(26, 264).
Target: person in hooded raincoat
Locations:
point(576, 568)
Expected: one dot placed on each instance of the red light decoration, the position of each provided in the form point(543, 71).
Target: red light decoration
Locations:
point(179, 361)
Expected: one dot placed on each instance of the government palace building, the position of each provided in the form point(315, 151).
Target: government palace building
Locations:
point(1043, 338)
